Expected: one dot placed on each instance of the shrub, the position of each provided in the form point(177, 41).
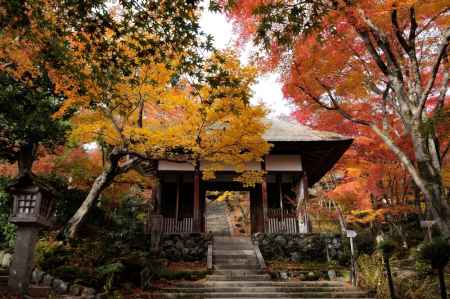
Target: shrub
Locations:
point(436, 253)
point(7, 230)
point(387, 247)
point(371, 274)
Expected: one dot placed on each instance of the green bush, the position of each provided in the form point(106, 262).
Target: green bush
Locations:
point(7, 230)
point(387, 247)
point(436, 253)
point(365, 242)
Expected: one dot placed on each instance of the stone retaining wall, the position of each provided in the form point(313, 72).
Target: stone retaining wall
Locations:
point(300, 247)
point(187, 247)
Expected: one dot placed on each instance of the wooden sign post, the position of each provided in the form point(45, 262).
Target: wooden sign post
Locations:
point(428, 224)
point(352, 234)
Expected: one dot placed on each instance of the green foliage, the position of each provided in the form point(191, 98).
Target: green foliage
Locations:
point(104, 259)
point(387, 247)
point(29, 120)
point(109, 269)
point(51, 255)
point(365, 242)
point(107, 273)
point(436, 253)
point(7, 230)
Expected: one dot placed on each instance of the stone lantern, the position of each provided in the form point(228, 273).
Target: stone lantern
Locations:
point(33, 208)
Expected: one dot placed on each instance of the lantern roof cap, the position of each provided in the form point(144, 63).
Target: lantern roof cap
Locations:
point(29, 181)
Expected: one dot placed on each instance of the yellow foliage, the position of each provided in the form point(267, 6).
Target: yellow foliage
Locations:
point(214, 124)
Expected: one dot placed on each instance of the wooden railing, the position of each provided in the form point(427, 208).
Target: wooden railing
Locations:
point(280, 213)
point(283, 225)
point(174, 225)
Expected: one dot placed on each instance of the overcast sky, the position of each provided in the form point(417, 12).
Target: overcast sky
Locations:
point(267, 89)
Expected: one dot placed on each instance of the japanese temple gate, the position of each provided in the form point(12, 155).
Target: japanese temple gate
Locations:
point(298, 158)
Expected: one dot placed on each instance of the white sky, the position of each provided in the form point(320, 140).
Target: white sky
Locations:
point(268, 88)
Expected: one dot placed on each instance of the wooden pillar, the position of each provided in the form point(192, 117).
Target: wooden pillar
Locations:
point(156, 197)
point(156, 217)
point(264, 205)
point(280, 190)
point(197, 223)
point(303, 217)
point(264, 201)
point(177, 203)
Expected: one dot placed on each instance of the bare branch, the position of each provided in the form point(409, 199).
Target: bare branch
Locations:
point(382, 40)
point(413, 27)
point(401, 39)
point(370, 46)
point(444, 88)
point(442, 52)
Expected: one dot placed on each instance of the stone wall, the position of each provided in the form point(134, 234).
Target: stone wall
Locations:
point(300, 247)
point(57, 286)
point(187, 247)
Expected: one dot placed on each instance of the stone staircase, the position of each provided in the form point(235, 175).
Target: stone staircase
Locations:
point(216, 218)
point(3, 281)
point(237, 274)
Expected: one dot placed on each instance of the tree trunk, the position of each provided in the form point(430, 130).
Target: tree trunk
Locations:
point(431, 181)
point(25, 158)
point(425, 175)
point(442, 284)
point(100, 183)
point(389, 275)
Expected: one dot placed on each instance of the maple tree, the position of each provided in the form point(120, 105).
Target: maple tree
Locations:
point(46, 48)
point(86, 49)
point(380, 65)
point(152, 114)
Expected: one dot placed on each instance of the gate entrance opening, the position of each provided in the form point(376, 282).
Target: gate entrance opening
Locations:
point(228, 213)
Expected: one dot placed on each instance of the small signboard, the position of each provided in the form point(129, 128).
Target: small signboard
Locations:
point(427, 223)
point(351, 234)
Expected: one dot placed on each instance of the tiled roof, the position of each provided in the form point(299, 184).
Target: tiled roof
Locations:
point(288, 129)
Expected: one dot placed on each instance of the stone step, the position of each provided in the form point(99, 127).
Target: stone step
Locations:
point(234, 247)
point(3, 280)
point(268, 289)
point(239, 272)
point(251, 277)
point(327, 295)
point(242, 262)
point(225, 240)
point(244, 283)
point(236, 267)
point(232, 243)
point(234, 257)
point(235, 252)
